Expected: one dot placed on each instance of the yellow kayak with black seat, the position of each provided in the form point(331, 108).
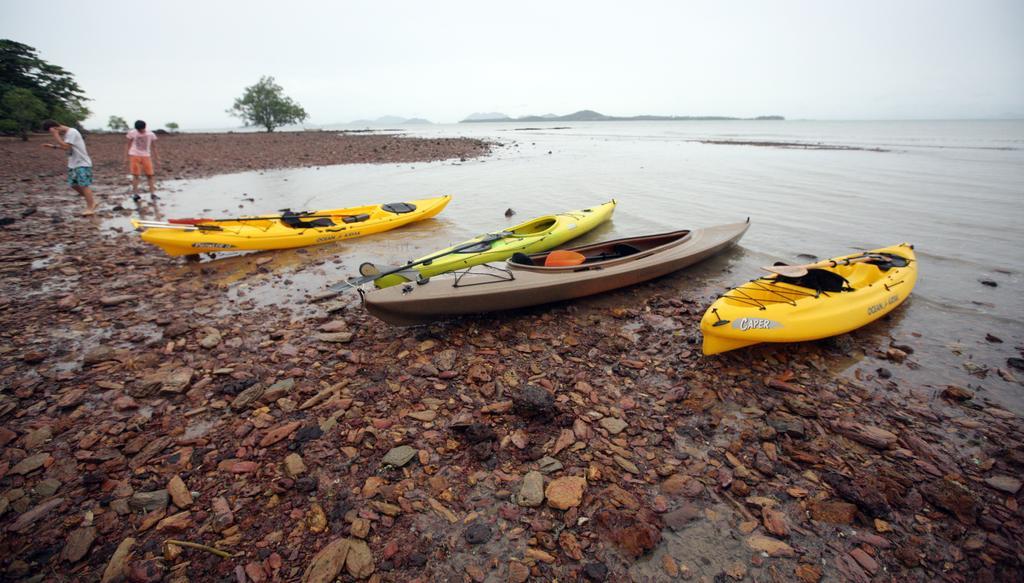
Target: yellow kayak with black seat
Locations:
point(286, 230)
point(810, 302)
point(533, 236)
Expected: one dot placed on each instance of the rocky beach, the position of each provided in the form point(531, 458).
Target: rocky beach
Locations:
point(155, 427)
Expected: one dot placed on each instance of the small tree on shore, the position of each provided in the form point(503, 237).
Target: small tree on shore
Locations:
point(172, 127)
point(23, 111)
point(117, 123)
point(265, 104)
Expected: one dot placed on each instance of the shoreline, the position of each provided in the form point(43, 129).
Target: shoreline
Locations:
point(559, 441)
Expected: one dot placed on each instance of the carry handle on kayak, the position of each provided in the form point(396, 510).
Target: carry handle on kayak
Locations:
point(489, 238)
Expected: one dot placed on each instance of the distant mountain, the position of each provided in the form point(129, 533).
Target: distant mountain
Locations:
point(389, 120)
point(494, 116)
point(591, 115)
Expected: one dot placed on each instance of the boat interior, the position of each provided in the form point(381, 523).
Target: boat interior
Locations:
point(607, 250)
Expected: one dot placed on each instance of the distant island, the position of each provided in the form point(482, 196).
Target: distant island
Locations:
point(591, 115)
point(389, 120)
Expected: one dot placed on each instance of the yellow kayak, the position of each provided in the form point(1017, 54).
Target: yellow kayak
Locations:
point(284, 231)
point(831, 297)
point(533, 236)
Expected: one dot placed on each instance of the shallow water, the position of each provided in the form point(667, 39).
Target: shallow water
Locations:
point(954, 189)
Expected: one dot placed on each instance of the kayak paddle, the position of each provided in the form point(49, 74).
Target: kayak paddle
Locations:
point(371, 272)
point(801, 270)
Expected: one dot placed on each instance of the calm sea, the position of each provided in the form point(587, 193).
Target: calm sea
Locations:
point(955, 189)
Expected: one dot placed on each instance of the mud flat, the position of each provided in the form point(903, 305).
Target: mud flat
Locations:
point(141, 403)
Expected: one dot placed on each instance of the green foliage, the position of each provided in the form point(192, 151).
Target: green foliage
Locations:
point(172, 127)
point(24, 109)
point(265, 104)
point(117, 123)
point(21, 68)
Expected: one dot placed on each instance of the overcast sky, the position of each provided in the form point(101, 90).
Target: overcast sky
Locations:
point(185, 61)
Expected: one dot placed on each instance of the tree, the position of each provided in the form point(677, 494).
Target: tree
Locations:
point(21, 68)
point(116, 123)
point(172, 127)
point(265, 104)
point(23, 110)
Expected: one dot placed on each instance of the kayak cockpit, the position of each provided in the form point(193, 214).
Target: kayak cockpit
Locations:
point(602, 252)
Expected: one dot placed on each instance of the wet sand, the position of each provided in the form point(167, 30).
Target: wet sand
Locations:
point(145, 400)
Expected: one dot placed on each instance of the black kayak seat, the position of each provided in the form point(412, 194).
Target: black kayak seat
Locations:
point(820, 280)
point(624, 250)
point(398, 207)
point(521, 259)
point(356, 218)
point(294, 220)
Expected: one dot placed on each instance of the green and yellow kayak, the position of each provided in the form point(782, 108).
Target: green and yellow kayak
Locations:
point(533, 236)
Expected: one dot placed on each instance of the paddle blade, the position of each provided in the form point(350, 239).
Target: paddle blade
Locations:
point(787, 270)
point(368, 269)
point(189, 221)
point(564, 259)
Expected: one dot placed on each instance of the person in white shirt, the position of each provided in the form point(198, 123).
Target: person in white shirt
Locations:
point(79, 163)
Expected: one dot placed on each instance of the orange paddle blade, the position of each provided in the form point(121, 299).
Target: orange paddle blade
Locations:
point(189, 221)
point(564, 259)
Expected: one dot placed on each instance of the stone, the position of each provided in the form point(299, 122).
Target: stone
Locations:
point(211, 340)
point(595, 571)
point(865, 560)
point(425, 416)
point(48, 487)
point(1004, 484)
point(178, 492)
point(38, 437)
point(29, 518)
point(808, 573)
point(565, 493)
point(145, 502)
point(680, 517)
point(399, 456)
point(177, 380)
point(359, 562)
point(867, 434)
point(833, 511)
point(248, 397)
point(773, 547)
point(533, 402)
point(238, 466)
point(335, 337)
point(681, 484)
point(31, 464)
point(117, 566)
point(327, 564)
point(636, 533)
point(955, 393)
point(613, 425)
point(477, 533)
point(78, 544)
point(293, 465)
point(98, 354)
point(179, 522)
point(548, 465)
point(531, 493)
point(279, 432)
point(518, 572)
point(953, 497)
point(222, 515)
point(775, 522)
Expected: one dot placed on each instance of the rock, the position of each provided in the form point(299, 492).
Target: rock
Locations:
point(533, 402)
point(148, 571)
point(178, 492)
point(151, 449)
point(613, 425)
point(293, 465)
point(955, 393)
point(97, 355)
point(866, 434)
point(211, 340)
point(48, 487)
point(145, 502)
point(865, 560)
point(988, 282)
point(176, 380)
point(222, 515)
point(425, 416)
point(117, 567)
point(773, 547)
point(518, 572)
point(33, 357)
point(6, 436)
point(335, 337)
point(78, 544)
point(31, 464)
point(1004, 484)
point(548, 465)
point(953, 497)
point(359, 562)
point(38, 437)
point(1014, 362)
point(775, 522)
point(67, 303)
point(235, 466)
point(565, 493)
point(29, 518)
point(681, 484)
point(595, 571)
point(680, 517)
point(110, 301)
point(399, 456)
point(808, 573)
point(250, 396)
point(531, 493)
point(635, 533)
point(278, 433)
point(334, 326)
point(833, 511)
point(477, 534)
point(179, 522)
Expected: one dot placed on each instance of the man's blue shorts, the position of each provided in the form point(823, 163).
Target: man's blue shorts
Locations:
point(81, 176)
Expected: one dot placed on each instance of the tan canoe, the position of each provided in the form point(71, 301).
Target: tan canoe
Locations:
point(524, 281)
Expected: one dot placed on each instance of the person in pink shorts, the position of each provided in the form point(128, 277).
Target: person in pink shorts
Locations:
point(140, 153)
